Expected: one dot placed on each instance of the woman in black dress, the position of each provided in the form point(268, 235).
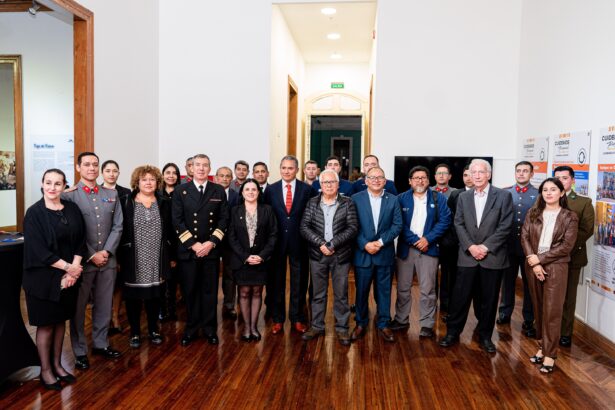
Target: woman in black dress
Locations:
point(54, 244)
point(144, 251)
point(252, 235)
point(110, 171)
point(170, 180)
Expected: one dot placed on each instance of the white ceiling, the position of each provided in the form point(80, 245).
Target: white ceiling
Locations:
point(309, 27)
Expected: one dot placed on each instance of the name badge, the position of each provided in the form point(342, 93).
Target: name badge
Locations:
point(215, 200)
point(108, 199)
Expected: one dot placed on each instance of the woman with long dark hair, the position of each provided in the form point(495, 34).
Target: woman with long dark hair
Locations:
point(252, 235)
point(548, 236)
point(54, 245)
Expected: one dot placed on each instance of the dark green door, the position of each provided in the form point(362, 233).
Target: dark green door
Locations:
point(338, 135)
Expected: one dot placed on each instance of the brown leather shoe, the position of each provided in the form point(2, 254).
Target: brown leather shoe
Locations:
point(343, 338)
point(300, 327)
point(313, 333)
point(387, 334)
point(277, 328)
point(357, 333)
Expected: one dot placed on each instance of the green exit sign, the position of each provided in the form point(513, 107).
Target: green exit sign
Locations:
point(337, 85)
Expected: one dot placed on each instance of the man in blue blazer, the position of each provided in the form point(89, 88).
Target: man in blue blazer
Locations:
point(345, 187)
point(426, 217)
point(288, 198)
point(379, 224)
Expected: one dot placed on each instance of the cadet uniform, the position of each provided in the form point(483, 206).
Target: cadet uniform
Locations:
point(102, 213)
point(199, 218)
point(523, 199)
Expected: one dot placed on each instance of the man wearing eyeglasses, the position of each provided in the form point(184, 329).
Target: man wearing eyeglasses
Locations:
point(329, 225)
point(425, 219)
point(443, 175)
point(524, 195)
point(380, 223)
point(483, 222)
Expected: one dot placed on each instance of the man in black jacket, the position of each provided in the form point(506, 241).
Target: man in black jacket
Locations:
point(329, 224)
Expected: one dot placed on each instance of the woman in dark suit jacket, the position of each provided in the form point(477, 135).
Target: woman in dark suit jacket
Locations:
point(54, 244)
point(252, 235)
point(144, 250)
point(548, 236)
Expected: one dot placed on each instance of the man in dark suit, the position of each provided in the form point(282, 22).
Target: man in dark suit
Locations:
point(224, 175)
point(380, 223)
point(584, 209)
point(260, 172)
point(369, 162)
point(483, 222)
point(200, 217)
point(288, 198)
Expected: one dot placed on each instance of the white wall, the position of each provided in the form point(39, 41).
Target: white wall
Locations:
point(126, 82)
point(447, 80)
point(566, 84)
point(46, 46)
point(355, 76)
point(214, 81)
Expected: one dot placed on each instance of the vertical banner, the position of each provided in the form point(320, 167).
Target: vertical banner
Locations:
point(536, 151)
point(51, 151)
point(603, 268)
point(572, 149)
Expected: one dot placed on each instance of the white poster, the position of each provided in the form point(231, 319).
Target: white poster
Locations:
point(51, 151)
point(536, 151)
point(603, 268)
point(572, 149)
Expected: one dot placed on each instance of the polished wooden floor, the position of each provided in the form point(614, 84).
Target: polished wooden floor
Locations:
point(283, 372)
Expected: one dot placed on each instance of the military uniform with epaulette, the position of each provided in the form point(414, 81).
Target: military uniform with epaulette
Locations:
point(103, 218)
point(199, 218)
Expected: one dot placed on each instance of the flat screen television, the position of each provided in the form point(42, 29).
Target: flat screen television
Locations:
point(403, 165)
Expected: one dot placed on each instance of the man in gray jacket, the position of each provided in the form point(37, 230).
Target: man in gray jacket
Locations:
point(102, 214)
point(329, 224)
point(483, 222)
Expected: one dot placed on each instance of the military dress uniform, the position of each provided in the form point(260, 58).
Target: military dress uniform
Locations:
point(199, 218)
point(523, 199)
point(102, 213)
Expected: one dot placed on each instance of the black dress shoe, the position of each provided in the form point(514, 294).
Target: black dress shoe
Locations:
point(449, 340)
point(82, 362)
point(50, 386)
point(187, 339)
point(531, 333)
point(503, 320)
point(107, 352)
point(487, 345)
point(426, 332)
point(212, 339)
point(565, 341)
point(134, 342)
point(155, 338)
point(395, 325)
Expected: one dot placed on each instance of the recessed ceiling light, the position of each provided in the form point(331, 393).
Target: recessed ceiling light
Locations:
point(328, 11)
point(336, 56)
point(334, 36)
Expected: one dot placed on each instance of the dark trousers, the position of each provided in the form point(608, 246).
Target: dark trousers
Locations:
point(229, 288)
point(570, 301)
point(319, 273)
point(199, 282)
point(448, 270)
point(299, 275)
point(168, 299)
point(133, 311)
point(509, 282)
point(488, 282)
point(381, 277)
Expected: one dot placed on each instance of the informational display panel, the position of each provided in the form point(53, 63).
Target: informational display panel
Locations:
point(572, 149)
point(536, 151)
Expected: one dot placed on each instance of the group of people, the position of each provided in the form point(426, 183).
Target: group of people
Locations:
point(83, 242)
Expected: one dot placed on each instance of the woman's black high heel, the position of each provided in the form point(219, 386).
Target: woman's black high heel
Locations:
point(50, 386)
point(254, 335)
point(246, 338)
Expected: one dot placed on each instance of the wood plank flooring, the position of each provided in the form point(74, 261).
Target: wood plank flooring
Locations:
point(283, 372)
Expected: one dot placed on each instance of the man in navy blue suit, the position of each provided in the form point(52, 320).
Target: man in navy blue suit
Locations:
point(345, 187)
point(288, 198)
point(379, 224)
point(369, 162)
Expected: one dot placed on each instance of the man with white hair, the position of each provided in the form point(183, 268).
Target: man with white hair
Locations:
point(483, 222)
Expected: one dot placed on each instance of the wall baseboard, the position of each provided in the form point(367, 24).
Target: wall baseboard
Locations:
point(592, 337)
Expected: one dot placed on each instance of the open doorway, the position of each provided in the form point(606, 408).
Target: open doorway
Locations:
point(293, 105)
point(338, 135)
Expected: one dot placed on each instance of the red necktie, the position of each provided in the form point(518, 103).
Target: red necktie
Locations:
point(289, 198)
point(519, 189)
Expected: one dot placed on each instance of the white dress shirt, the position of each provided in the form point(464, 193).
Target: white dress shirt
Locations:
point(419, 215)
point(479, 203)
point(375, 202)
point(197, 185)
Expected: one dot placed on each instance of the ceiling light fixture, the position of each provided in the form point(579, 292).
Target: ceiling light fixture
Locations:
point(35, 7)
point(336, 56)
point(334, 36)
point(328, 11)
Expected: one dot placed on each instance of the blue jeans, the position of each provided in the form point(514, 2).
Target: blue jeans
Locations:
point(381, 276)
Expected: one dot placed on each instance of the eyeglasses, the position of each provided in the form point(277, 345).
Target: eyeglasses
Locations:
point(417, 179)
point(62, 217)
point(328, 182)
point(376, 178)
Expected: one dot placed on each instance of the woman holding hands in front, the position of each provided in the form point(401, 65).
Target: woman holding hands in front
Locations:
point(548, 236)
point(54, 244)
